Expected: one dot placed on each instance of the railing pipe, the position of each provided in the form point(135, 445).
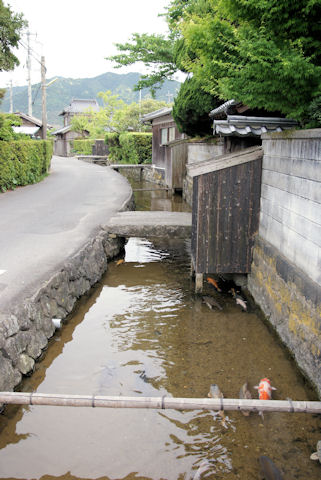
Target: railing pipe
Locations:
point(164, 402)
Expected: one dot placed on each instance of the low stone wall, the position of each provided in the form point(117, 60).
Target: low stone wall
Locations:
point(24, 333)
point(291, 302)
point(148, 172)
point(154, 175)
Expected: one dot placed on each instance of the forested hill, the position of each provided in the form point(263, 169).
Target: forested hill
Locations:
point(62, 91)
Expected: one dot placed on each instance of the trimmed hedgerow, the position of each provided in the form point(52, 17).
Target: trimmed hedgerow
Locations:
point(130, 147)
point(23, 162)
point(83, 146)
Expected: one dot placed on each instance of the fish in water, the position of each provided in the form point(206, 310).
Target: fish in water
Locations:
point(204, 466)
point(268, 469)
point(211, 303)
point(214, 283)
point(239, 300)
point(215, 392)
point(245, 394)
point(265, 389)
point(119, 262)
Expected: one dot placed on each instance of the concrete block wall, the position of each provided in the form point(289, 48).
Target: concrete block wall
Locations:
point(291, 198)
point(286, 272)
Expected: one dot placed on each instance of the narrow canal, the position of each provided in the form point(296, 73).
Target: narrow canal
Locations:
point(143, 332)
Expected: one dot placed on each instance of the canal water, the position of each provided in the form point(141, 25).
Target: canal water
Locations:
point(143, 332)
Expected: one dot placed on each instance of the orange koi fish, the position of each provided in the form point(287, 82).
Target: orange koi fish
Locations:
point(214, 283)
point(265, 390)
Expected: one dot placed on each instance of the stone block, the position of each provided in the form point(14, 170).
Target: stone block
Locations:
point(37, 343)
point(9, 325)
point(17, 344)
point(25, 364)
point(9, 377)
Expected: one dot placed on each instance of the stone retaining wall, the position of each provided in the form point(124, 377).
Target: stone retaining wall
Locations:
point(24, 333)
point(291, 301)
point(148, 172)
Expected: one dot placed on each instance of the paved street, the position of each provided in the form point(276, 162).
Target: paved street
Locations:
point(42, 225)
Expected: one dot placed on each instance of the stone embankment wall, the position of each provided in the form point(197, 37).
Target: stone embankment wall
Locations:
point(24, 333)
point(286, 271)
point(148, 173)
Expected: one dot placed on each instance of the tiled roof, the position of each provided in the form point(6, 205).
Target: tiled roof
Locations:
point(81, 105)
point(242, 126)
point(62, 130)
point(30, 119)
point(157, 113)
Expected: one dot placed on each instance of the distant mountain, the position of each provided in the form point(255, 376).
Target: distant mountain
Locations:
point(61, 92)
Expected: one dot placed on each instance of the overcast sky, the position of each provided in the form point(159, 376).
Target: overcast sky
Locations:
point(76, 35)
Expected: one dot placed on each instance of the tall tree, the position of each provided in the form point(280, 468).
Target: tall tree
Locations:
point(163, 54)
point(11, 25)
point(264, 53)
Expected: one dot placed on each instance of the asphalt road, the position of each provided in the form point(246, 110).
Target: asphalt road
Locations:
point(42, 225)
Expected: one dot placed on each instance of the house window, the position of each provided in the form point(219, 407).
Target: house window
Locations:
point(171, 134)
point(164, 132)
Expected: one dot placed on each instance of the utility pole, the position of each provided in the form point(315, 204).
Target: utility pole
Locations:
point(169, 96)
point(140, 109)
point(11, 97)
point(44, 104)
point(29, 74)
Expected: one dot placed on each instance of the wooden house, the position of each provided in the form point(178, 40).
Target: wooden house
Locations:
point(168, 149)
point(225, 214)
point(65, 135)
point(78, 107)
point(30, 125)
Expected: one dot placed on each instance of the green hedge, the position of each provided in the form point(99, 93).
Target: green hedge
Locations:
point(115, 153)
point(83, 146)
point(130, 147)
point(23, 162)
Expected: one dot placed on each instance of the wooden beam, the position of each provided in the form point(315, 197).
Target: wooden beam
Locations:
point(21, 398)
point(199, 282)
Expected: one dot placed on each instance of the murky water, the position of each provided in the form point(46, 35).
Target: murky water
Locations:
point(143, 332)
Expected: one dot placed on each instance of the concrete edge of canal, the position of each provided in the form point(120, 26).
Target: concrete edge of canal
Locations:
point(26, 330)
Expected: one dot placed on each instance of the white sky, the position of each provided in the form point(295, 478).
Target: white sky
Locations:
point(76, 35)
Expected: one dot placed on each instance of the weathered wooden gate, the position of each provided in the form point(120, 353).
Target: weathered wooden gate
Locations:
point(226, 207)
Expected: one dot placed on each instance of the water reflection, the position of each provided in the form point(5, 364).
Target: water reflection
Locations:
point(144, 333)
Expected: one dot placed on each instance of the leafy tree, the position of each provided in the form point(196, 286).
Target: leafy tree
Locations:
point(79, 124)
point(7, 121)
point(96, 123)
point(11, 25)
point(128, 117)
point(161, 53)
point(191, 108)
point(264, 53)
point(154, 51)
point(114, 116)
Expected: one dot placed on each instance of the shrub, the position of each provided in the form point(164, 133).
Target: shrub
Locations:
point(130, 147)
point(83, 146)
point(191, 109)
point(23, 162)
point(112, 140)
